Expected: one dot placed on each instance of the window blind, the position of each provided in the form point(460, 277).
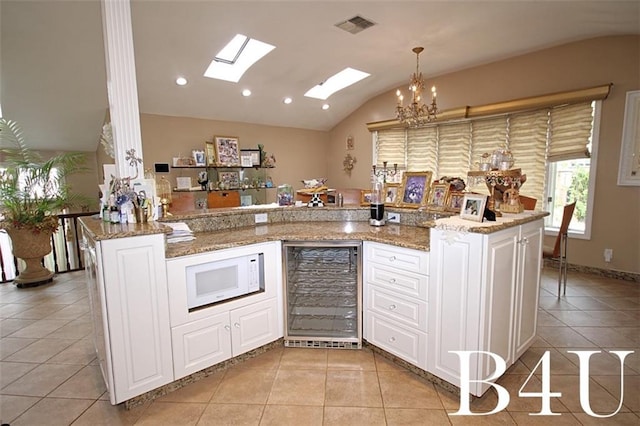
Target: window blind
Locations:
point(534, 138)
point(570, 131)
point(391, 147)
point(422, 149)
point(454, 143)
point(527, 142)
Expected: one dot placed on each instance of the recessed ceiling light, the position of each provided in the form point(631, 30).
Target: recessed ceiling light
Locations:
point(236, 58)
point(181, 81)
point(339, 81)
point(287, 100)
point(325, 106)
point(246, 92)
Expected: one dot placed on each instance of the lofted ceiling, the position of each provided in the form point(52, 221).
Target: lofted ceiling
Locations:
point(52, 66)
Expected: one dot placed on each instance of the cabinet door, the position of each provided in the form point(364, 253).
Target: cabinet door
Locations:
point(528, 288)
point(137, 310)
point(254, 325)
point(499, 306)
point(455, 295)
point(200, 344)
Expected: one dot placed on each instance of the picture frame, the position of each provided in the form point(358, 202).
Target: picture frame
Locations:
point(199, 157)
point(456, 198)
point(473, 207)
point(245, 160)
point(230, 179)
point(629, 167)
point(254, 154)
point(227, 151)
point(415, 189)
point(391, 192)
point(439, 196)
point(365, 197)
point(210, 153)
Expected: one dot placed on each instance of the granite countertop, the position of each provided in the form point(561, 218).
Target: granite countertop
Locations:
point(100, 230)
point(400, 235)
point(507, 220)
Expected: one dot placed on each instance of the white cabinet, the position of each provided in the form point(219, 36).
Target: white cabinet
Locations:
point(128, 290)
point(202, 343)
point(205, 336)
point(483, 297)
point(395, 306)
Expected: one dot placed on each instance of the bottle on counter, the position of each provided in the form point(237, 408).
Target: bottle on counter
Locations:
point(114, 214)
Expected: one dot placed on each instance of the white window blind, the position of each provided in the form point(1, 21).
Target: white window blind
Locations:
point(570, 131)
point(422, 149)
point(454, 143)
point(391, 147)
point(527, 142)
point(487, 135)
point(534, 138)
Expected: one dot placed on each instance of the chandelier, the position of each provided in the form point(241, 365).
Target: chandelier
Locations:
point(415, 114)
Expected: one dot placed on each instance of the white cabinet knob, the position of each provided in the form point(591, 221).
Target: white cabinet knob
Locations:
point(392, 307)
point(392, 339)
point(392, 280)
point(236, 325)
point(226, 327)
point(392, 258)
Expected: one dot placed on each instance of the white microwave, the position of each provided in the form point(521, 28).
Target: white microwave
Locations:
point(219, 280)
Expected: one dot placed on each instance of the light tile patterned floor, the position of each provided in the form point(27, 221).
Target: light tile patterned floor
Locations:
point(49, 376)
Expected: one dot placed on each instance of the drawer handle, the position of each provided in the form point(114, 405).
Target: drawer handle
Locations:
point(392, 280)
point(392, 307)
point(392, 339)
point(392, 258)
point(236, 325)
point(226, 327)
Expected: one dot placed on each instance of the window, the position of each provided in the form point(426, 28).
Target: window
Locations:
point(551, 145)
point(572, 172)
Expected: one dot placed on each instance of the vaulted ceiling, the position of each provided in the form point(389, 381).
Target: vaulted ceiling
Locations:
point(52, 67)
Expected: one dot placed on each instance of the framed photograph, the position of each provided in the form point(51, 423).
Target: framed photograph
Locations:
point(227, 151)
point(454, 204)
point(391, 193)
point(414, 189)
point(473, 207)
point(231, 180)
point(245, 160)
point(365, 197)
point(439, 196)
point(210, 152)
point(198, 157)
point(629, 167)
point(253, 154)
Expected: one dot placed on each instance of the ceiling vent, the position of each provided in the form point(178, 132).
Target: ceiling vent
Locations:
point(355, 24)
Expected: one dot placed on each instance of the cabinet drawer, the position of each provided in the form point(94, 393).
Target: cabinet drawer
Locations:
point(408, 310)
point(398, 257)
point(410, 284)
point(404, 342)
point(200, 344)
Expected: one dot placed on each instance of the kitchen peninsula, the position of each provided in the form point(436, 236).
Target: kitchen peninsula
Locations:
point(429, 287)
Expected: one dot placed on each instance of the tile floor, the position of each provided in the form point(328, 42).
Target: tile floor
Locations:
point(49, 376)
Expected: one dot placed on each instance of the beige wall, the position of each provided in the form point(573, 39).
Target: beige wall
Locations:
point(300, 154)
point(573, 66)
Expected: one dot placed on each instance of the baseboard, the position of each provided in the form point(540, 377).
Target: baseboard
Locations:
point(607, 273)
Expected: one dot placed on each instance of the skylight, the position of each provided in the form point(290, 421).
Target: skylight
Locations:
point(339, 81)
point(236, 58)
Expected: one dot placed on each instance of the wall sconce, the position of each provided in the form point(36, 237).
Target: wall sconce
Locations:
point(348, 163)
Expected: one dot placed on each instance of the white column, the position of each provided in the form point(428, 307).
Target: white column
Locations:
point(122, 88)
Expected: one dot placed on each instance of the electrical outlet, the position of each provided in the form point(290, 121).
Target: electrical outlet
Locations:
point(261, 218)
point(393, 217)
point(608, 255)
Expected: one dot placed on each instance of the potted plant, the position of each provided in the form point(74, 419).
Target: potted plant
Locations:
point(33, 191)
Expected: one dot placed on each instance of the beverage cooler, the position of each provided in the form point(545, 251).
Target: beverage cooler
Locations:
point(323, 294)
